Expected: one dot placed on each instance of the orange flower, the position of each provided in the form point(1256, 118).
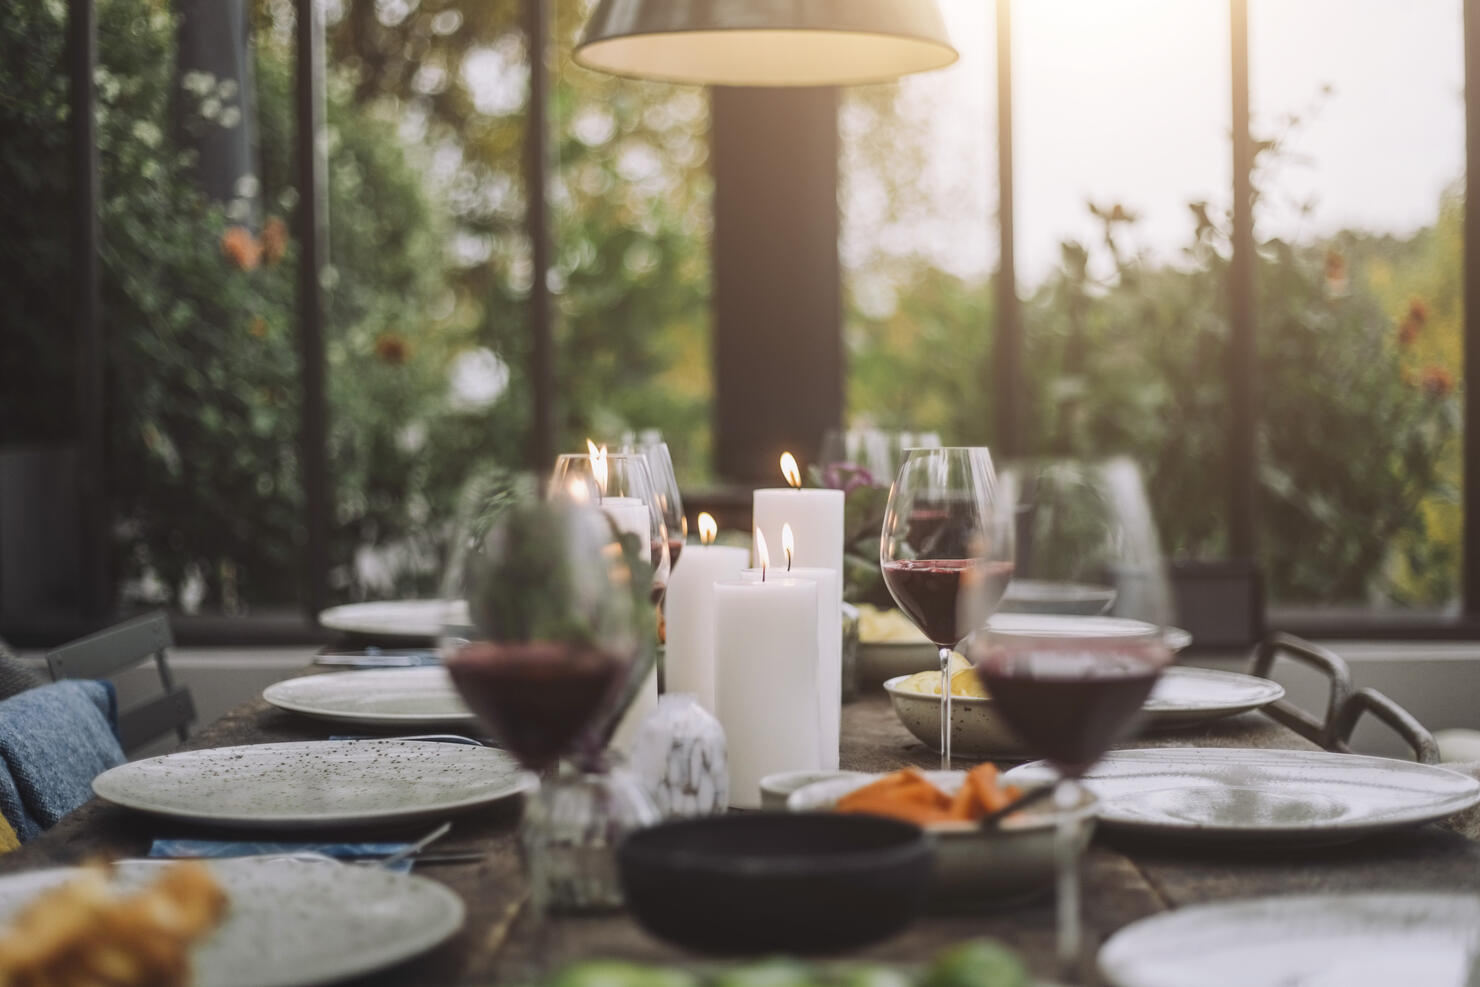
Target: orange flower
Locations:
point(1436, 381)
point(392, 349)
point(274, 239)
point(1418, 312)
point(257, 327)
point(1335, 272)
point(241, 248)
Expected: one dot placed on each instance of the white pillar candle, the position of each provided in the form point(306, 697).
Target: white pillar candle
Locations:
point(765, 652)
point(829, 668)
point(689, 609)
point(644, 703)
point(815, 515)
point(631, 517)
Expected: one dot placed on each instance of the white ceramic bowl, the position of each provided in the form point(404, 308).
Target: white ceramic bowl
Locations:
point(777, 788)
point(974, 866)
point(977, 729)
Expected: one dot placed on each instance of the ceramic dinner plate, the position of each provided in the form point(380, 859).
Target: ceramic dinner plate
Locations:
point(1186, 696)
point(1349, 940)
point(290, 923)
point(392, 697)
point(1053, 625)
point(388, 618)
point(315, 785)
point(1265, 795)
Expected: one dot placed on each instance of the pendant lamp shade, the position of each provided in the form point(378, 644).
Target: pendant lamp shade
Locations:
point(766, 42)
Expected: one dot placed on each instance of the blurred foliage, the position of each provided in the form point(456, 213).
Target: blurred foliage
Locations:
point(430, 272)
point(1358, 365)
point(425, 291)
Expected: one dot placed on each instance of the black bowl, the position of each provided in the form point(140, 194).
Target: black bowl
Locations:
point(775, 882)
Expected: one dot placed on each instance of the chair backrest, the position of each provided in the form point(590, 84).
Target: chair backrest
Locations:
point(1329, 664)
point(121, 647)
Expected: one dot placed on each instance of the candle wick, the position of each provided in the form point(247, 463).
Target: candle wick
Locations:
point(788, 560)
point(763, 572)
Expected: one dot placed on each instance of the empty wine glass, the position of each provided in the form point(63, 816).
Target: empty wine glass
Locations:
point(943, 532)
point(665, 486)
point(621, 486)
point(1069, 681)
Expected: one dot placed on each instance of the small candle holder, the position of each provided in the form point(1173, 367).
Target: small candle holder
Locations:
point(679, 758)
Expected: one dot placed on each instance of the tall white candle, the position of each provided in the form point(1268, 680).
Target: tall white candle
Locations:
point(689, 609)
point(630, 516)
point(765, 651)
point(829, 667)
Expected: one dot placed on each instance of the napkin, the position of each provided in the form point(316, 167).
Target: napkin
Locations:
point(54, 740)
point(216, 849)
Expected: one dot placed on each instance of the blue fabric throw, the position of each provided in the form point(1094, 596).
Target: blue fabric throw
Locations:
point(54, 740)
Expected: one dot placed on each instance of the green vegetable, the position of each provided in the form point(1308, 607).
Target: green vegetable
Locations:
point(619, 973)
point(978, 963)
point(870, 975)
point(769, 973)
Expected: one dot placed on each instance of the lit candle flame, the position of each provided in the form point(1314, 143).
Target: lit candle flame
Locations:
point(708, 529)
point(761, 555)
point(788, 544)
point(598, 465)
point(790, 471)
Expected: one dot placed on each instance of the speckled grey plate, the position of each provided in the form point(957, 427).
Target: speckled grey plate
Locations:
point(315, 785)
point(389, 618)
point(1187, 696)
point(1348, 940)
point(392, 697)
point(1264, 795)
point(290, 923)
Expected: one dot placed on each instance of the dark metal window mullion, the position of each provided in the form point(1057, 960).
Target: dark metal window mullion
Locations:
point(1471, 261)
point(313, 240)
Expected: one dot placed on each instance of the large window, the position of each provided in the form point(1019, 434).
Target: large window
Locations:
point(425, 288)
point(1359, 221)
point(1123, 174)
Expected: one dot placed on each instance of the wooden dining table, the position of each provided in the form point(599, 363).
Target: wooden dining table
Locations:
point(1124, 879)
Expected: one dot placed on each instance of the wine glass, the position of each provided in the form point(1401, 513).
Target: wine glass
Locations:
point(1068, 681)
point(621, 485)
point(665, 485)
point(543, 639)
point(943, 532)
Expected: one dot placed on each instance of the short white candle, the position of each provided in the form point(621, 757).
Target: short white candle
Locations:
point(765, 651)
point(689, 609)
point(829, 652)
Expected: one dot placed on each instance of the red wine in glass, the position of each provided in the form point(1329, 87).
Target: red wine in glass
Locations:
point(675, 547)
point(929, 592)
point(1069, 700)
point(536, 696)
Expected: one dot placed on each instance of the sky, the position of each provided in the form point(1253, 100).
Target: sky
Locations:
point(1128, 101)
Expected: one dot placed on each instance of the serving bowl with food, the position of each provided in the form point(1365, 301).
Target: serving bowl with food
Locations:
point(972, 866)
point(978, 730)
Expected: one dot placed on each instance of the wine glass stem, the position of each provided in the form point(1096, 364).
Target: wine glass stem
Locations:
point(1066, 850)
point(945, 709)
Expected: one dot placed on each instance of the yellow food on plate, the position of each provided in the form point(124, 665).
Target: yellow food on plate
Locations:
point(964, 681)
point(85, 933)
point(877, 626)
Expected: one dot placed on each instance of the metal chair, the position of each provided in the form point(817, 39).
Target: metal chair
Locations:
point(1345, 705)
point(1328, 663)
point(1425, 748)
point(121, 647)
